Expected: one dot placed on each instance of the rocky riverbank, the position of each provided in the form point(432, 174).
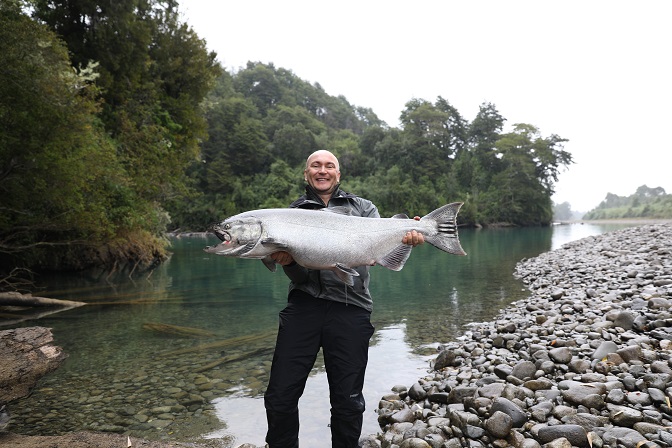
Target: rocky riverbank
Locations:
point(584, 361)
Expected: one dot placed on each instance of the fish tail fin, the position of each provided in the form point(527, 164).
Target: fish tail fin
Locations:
point(446, 237)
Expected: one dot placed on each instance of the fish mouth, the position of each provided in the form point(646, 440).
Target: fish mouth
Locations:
point(220, 233)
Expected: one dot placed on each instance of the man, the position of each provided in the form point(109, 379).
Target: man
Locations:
point(322, 312)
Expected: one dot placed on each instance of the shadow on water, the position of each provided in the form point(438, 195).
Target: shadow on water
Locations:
point(125, 376)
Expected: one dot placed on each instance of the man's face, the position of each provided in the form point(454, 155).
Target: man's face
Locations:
point(322, 172)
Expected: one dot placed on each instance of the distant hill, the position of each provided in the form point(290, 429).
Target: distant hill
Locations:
point(644, 203)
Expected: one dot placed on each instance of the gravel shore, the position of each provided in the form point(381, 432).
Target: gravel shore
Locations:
point(584, 361)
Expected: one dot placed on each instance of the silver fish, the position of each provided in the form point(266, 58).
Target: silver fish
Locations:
point(330, 238)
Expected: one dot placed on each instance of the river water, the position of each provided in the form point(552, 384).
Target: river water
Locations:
point(130, 370)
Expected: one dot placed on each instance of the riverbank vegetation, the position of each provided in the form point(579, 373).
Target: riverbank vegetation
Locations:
point(644, 203)
point(117, 124)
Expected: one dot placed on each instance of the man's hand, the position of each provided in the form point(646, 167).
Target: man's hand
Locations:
point(283, 258)
point(413, 237)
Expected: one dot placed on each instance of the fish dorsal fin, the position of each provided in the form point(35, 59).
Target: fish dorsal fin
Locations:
point(340, 210)
point(396, 259)
point(269, 263)
point(400, 216)
point(345, 273)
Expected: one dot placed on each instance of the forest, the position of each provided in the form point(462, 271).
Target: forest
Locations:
point(118, 125)
point(644, 203)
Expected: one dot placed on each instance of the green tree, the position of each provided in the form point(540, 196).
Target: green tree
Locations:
point(521, 192)
point(65, 199)
point(154, 72)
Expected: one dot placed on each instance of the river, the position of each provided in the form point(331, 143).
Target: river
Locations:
point(124, 374)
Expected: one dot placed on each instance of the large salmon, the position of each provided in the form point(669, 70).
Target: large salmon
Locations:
point(330, 238)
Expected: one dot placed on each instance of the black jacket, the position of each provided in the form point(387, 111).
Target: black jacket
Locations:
point(325, 284)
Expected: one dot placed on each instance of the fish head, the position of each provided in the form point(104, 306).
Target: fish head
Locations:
point(239, 235)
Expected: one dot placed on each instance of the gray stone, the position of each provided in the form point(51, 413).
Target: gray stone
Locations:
point(524, 370)
point(638, 398)
point(604, 349)
point(561, 355)
point(414, 443)
point(364, 442)
point(630, 353)
point(579, 365)
point(585, 420)
point(575, 434)
point(578, 393)
point(499, 425)
point(624, 319)
point(624, 415)
point(446, 358)
point(506, 406)
point(626, 437)
point(417, 393)
point(405, 415)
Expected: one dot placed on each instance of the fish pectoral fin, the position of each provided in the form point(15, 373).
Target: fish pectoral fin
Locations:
point(271, 243)
point(346, 274)
point(396, 259)
point(269, 263)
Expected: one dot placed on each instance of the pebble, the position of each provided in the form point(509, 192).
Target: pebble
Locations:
point(585, 360)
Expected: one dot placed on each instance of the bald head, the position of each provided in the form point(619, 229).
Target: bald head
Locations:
point(322, 154)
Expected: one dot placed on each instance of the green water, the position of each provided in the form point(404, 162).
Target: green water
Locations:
point(116, 361)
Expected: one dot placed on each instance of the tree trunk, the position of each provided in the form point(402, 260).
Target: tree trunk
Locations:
point(27, 355)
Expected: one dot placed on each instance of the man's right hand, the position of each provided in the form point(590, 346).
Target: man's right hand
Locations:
point(283, 258)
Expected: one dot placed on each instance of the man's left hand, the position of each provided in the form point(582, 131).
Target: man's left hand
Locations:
point(413, 237)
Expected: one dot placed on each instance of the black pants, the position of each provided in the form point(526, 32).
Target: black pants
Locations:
point(343, 331)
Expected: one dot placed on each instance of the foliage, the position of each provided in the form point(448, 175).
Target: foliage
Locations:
point(95, 136)
point(644, 203)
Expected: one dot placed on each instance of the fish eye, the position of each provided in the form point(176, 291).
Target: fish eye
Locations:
point(227, 226)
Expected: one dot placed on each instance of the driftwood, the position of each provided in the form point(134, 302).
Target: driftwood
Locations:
point(17, 299)
point(177, 330)
point(27, 355)
point(27, 301)
point(232, 358)
point(221, 344)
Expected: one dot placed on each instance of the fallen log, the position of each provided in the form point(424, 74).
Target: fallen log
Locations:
point(18, 299)
point(231, 358)
point(27, 355)
point(177, 330)
point(220, 344)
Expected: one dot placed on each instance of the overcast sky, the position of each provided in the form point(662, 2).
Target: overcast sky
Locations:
point(595, 72)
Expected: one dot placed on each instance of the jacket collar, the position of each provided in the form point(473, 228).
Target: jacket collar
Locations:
point(311, 197)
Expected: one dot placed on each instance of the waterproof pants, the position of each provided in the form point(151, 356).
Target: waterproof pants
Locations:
point(343, 331)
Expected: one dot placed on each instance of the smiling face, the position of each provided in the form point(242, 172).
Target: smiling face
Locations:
point(322, 172)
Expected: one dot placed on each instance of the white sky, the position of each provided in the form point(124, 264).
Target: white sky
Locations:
point(596, 72)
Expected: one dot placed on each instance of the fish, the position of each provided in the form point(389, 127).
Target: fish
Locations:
point(333, 239)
